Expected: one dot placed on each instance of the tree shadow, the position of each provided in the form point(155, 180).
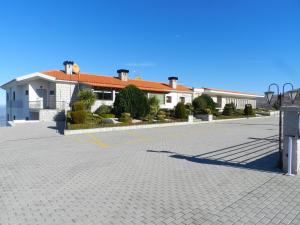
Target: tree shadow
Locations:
point(258, 154)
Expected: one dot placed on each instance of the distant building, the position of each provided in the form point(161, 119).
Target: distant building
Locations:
point(43, 95)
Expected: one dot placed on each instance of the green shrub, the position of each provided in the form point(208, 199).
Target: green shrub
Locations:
point(148, 118)
point(161, 115)
point(229, 109)
point(88, 98)
point(103, 109)
point(125, 118)
point(207, 111)
point(154, 105)
point(248, 111)
point(189, 108)
point(199, 105)
point(78, 106)
point(108, 115)
point(79, 117)
point(132, 100)
point(180, 111)
point(202, 103)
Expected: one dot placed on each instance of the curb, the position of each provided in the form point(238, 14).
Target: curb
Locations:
point(136, 127)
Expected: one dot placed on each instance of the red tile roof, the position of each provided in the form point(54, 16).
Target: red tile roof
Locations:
point(114, 82)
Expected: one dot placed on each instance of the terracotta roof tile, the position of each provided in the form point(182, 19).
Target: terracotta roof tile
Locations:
point(108, 81)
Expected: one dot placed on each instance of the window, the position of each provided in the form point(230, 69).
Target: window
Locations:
point(104, 95)
point(26, 92)
point(14, 117)
point(169, 99)
point(14, 96)
point(182, 99)
point(160, 97)
point(52, 92)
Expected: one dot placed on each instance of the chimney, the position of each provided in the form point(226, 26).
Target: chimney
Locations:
point(68, 67)
point(173, 82)
point(123, 74)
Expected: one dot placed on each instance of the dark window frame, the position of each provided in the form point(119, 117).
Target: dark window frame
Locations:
point(26, 92)
point(182, 99)
point(168, 99)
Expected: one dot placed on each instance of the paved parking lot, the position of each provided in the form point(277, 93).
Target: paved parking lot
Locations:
point(218, 173)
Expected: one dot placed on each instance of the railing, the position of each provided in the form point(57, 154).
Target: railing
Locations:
point(40, 104)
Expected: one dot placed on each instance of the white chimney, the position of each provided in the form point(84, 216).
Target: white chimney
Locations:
point(123, 74)
point(173, 82)
point(68, 67)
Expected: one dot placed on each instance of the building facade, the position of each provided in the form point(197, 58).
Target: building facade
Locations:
point(44, 95)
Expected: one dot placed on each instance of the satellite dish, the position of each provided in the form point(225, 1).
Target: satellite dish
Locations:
point(76, 68)
point(138, 77)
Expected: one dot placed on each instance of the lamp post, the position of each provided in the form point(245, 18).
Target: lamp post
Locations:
point(280, 99)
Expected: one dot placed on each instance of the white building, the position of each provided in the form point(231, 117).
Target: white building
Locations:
point(44, 95)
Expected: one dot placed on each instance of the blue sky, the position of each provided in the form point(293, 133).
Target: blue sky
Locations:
point(234, 44)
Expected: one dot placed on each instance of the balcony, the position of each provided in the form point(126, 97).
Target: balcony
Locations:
point(40, 104)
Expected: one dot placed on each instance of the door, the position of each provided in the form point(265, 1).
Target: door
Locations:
point(42, 93)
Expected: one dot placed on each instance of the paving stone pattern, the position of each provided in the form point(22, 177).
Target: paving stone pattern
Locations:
point(218, 173)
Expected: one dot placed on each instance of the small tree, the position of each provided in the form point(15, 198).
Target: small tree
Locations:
point(88, 98)
point(180, 111)
point(131, 100)
point(210, 102)
point(202, 103)
point(154, 105)
point(248, 111)
point(229, 109)
point(199, 105)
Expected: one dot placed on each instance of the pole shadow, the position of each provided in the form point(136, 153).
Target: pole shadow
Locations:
point(258, 154)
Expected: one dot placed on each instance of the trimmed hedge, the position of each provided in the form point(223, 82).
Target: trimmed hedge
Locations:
point(108, 115)
point(79, 117)
point(103, 109)
point(78, 106)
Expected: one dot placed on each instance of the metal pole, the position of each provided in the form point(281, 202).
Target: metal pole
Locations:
point(290, 156)
point(280, 164)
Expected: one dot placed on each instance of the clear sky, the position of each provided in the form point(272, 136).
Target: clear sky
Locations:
point(227, 44)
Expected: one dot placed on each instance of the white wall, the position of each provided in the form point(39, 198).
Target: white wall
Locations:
point(175, 99)
point(65, 94)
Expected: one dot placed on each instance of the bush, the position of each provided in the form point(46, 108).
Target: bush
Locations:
point(199, 105)
point(125, 118)
point(229, 109)
point(161, 115)
point(180, 111)
point(248, 111)
point(132, 100)
point(108, 115)
point(189, 108)
point(154, 105)
point(88, 98)
point(79, 117)
point(78, 106)
point(103, 109)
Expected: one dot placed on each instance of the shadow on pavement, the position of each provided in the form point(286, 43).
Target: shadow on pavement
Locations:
point(60, 127)
point(257, 154)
